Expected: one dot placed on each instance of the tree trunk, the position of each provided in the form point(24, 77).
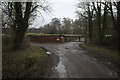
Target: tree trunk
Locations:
point(104, 22)
point(22, 23)
point(99, 21)
point(18, 39)
point(97, 9)
point(89, 24)
point(118, 26)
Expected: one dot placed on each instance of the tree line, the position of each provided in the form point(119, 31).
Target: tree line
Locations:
point(103, 22)
point(61, 26)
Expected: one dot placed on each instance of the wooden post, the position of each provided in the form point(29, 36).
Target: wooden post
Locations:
point(65, 38)
point(79, 38)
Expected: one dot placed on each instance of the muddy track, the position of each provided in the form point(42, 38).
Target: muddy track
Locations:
point(74, 62)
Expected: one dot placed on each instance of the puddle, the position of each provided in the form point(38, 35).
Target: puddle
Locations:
point(59, 49)
point(61, 69)
point(82, 51)
point(74, 50)
point(66, 48)
point(58, 52)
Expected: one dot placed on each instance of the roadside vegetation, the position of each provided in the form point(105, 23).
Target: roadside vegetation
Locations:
point(102, 23)
point(25, 63)
point(102, 52)
point(19, 59)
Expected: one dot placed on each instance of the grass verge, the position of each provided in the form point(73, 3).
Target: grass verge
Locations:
point(28, 63)
point(103, 52)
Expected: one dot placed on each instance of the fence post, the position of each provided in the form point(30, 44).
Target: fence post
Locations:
point(79, 38)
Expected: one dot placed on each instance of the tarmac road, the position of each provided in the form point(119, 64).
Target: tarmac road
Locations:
point(75, 63)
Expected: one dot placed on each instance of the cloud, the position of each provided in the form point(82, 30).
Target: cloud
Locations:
point(61, 9)
point(63, 1)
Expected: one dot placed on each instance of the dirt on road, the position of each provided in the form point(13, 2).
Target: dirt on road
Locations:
point(74, 62)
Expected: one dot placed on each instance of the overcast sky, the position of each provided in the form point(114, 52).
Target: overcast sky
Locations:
point(60, 9)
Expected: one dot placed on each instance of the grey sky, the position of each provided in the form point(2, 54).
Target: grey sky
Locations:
point(60, 9)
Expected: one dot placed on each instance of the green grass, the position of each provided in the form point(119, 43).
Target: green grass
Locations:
point(8, 35)
point(34, 33)
point(39, 34)
point(72, 35)
point(109, 53)
point(47, 43)
point(3, 34)
point(31, 52)
point(20, 63)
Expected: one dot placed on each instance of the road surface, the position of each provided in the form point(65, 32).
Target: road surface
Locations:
point(75, 63)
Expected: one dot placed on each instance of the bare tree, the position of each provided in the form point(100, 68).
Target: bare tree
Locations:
point(21, 15)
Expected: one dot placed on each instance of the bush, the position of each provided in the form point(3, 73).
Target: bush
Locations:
point(7, 42)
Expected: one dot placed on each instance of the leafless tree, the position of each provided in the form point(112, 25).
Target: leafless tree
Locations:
point(20, 15)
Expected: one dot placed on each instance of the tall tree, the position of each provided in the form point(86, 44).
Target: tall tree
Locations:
point(104, 20)
point(87, 14)
point(118, 25)
point(21, 15)
point(90, 27)
point(22, 23)
point(97, 8)
point(116, 21)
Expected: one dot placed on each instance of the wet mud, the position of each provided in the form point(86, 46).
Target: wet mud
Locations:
point(74, 62)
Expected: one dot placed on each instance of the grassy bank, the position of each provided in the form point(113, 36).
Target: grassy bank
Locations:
point(102, 52)
point(28, 63)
